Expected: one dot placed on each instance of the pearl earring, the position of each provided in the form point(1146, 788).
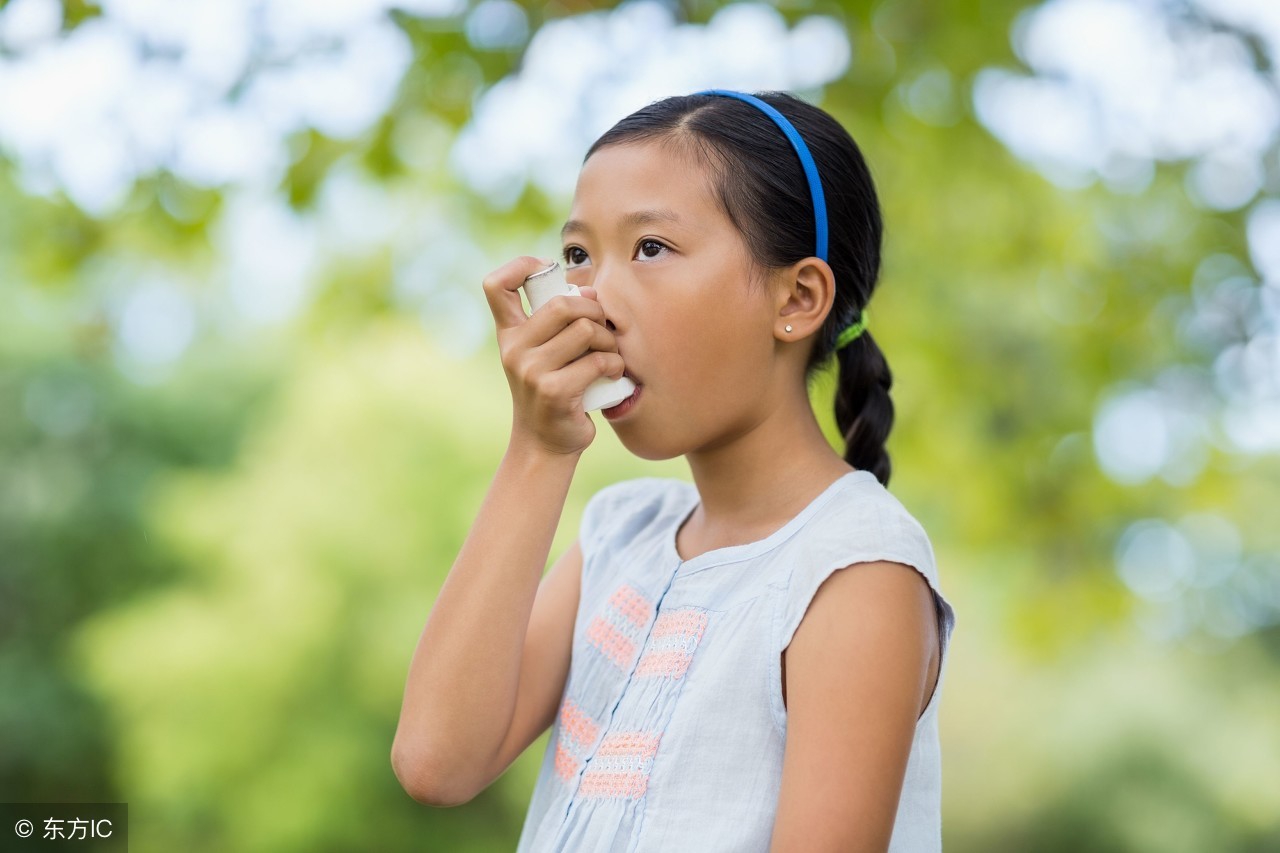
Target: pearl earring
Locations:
point(788, 327)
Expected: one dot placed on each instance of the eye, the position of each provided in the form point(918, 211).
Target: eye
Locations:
point(646, 243)
point(649, 248)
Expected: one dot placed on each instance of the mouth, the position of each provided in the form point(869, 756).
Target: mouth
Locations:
point(621, 409)
point(632, 377)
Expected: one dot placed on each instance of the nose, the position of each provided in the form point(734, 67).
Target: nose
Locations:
point(608, 301)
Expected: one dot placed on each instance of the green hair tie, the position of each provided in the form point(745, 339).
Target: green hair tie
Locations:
point(852, 331)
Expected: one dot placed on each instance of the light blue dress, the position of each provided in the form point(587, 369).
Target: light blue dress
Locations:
point(671, 728)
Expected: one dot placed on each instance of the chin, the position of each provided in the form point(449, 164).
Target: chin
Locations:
point(638, 446)
point(644, 444)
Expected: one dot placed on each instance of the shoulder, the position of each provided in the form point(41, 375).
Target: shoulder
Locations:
point(867, 518)
point(864, 526)
point(626, 505)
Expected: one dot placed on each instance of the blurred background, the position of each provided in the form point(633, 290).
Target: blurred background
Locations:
point(250, 397)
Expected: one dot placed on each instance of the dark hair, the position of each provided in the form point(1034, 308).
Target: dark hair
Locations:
point(759, 182)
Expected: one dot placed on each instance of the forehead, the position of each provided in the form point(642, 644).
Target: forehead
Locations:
point(638, 176)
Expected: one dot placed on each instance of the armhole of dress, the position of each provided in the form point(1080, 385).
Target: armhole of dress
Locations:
point(943, 613)
point(940, 618)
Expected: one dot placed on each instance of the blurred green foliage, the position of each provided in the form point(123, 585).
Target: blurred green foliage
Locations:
point(211, 584)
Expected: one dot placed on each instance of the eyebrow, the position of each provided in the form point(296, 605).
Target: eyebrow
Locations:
point(632, 220)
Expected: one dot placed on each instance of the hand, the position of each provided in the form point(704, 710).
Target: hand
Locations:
point(550, 358)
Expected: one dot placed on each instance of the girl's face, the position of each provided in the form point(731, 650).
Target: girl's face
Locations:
point(672, 274)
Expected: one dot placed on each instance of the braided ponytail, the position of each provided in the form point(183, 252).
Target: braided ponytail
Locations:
point(864, 409)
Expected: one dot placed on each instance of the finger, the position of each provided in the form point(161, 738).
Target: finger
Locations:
point(580, 373)
point(501, 289)
point(576, 341)
point(561, 312)
point(572, 379)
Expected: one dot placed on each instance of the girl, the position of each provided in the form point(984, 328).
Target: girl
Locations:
point(713, 680)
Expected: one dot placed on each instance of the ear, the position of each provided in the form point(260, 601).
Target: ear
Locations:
point(806, 291)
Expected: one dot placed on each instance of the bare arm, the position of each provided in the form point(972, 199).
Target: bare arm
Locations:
point(461, 693)
point(858, 677)
point(460, 716)
point(544, 669)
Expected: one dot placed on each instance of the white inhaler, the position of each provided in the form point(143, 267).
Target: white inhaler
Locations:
point(539, 289)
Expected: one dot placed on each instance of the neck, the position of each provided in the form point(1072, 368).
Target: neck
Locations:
point(756, 481)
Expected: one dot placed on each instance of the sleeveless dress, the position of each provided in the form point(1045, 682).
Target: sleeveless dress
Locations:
point(671, 728)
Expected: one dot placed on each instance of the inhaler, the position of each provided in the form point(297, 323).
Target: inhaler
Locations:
point(539, 289)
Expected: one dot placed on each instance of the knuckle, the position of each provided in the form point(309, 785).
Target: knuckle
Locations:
point(524, 373)
point(565, 310)
point(547, 385)
point(507, 348)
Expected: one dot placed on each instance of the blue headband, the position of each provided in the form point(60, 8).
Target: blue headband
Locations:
point(853, 330)
point(806, 160)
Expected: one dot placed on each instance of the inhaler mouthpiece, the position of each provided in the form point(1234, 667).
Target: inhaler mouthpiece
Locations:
point(539, 289)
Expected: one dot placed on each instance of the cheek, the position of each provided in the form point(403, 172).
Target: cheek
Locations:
point(690, 328)
point(702, 341)
point(705, 359)
point(696, 312)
